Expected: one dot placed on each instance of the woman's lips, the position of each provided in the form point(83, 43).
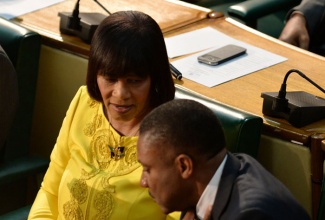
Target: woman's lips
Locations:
point(121, 108)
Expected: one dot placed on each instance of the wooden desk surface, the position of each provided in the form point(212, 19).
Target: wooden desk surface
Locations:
point(245, 92)
point(175, 17)
point(169, 14)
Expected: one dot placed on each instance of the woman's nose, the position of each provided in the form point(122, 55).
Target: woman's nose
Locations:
point(121, 90)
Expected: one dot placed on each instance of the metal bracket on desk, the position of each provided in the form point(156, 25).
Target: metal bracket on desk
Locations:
point(215, 14)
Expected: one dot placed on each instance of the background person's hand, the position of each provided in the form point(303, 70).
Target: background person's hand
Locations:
point(295, 32)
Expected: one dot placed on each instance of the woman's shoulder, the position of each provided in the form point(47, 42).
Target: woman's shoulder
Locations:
point(83, 95)
point(83, 90)
point(83, 100)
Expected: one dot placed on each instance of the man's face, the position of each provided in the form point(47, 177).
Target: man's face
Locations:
point(160, 174)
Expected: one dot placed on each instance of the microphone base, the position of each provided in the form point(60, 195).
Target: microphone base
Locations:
point(88, 24)
point(304, 108)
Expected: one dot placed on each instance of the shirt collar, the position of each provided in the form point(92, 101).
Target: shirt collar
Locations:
point(209, 193)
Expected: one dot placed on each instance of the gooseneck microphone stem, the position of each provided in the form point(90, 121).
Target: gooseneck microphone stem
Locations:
point(102, 6)
point(280, 103)
point(303, 76)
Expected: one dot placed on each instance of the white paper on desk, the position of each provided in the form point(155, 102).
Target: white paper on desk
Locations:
point(191, 42)
point(13, 8)
point(255, 59)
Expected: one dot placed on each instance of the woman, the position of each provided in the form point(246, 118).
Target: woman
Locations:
point(94, 172)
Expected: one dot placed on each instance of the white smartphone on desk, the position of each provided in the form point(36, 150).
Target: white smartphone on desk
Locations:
point(221, 55)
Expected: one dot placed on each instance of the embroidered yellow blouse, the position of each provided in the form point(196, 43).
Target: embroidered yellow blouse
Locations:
point(85, 179)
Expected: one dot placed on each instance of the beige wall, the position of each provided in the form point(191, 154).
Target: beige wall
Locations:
point(291, 164)
point(62, 73)
point(60, 76)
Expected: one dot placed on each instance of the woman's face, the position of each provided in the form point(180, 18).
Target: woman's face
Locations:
point(125, 98)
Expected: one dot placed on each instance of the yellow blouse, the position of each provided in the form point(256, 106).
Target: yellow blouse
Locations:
point(94, 173)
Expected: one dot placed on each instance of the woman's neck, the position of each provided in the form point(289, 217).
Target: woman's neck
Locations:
point(126, 128)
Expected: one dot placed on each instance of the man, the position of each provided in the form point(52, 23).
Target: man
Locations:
point(305, 26)
point(186, 167)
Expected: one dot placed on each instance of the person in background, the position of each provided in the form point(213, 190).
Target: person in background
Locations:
point(305, 26)
point(94, 172)
point(8, 98)
point(187, 168)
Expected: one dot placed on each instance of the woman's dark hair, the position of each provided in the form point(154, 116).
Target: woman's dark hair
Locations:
point(130, 42)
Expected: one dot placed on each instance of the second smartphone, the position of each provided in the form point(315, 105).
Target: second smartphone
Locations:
point(222, 54)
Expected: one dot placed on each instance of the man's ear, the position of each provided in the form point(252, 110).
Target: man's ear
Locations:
point(184, 165)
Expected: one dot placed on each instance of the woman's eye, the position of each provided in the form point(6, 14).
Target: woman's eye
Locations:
point(134, 81)
point(111, 80)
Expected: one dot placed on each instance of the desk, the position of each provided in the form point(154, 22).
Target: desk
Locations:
point(245, 92)
point(61, 73)
point(169, 14)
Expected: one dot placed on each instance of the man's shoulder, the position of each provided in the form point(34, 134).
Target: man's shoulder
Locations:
point(256, 188)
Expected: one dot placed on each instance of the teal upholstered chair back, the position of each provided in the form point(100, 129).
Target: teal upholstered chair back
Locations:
point(18, 169)
point(242, 130)
point(23, 48)
point(266, 16)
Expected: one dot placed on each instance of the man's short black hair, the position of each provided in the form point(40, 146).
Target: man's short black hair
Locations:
point(188, 126)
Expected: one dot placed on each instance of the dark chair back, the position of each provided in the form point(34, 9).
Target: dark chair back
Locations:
point(19, 169)
point(8, 98)
point(242, 129)
point(23, 49)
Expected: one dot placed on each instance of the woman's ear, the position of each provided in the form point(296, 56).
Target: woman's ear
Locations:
point(184, 165)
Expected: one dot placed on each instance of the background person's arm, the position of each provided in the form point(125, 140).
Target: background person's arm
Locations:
point(295, 31)
point(302, 23)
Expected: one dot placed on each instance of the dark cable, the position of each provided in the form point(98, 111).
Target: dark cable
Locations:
point(74, 20)
point(303, 76)
point(75, 12)
point(102, 7)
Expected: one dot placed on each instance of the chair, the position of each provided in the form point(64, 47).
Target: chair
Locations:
point(242, 130)
point(266, 16)
point(19, 168)
point(8, 97)
point(217, 5)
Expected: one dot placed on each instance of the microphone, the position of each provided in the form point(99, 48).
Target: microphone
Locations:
point(281, 103)
point(299, 108)
point(82, 25)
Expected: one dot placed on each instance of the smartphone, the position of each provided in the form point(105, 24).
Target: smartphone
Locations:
point(222, 54)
